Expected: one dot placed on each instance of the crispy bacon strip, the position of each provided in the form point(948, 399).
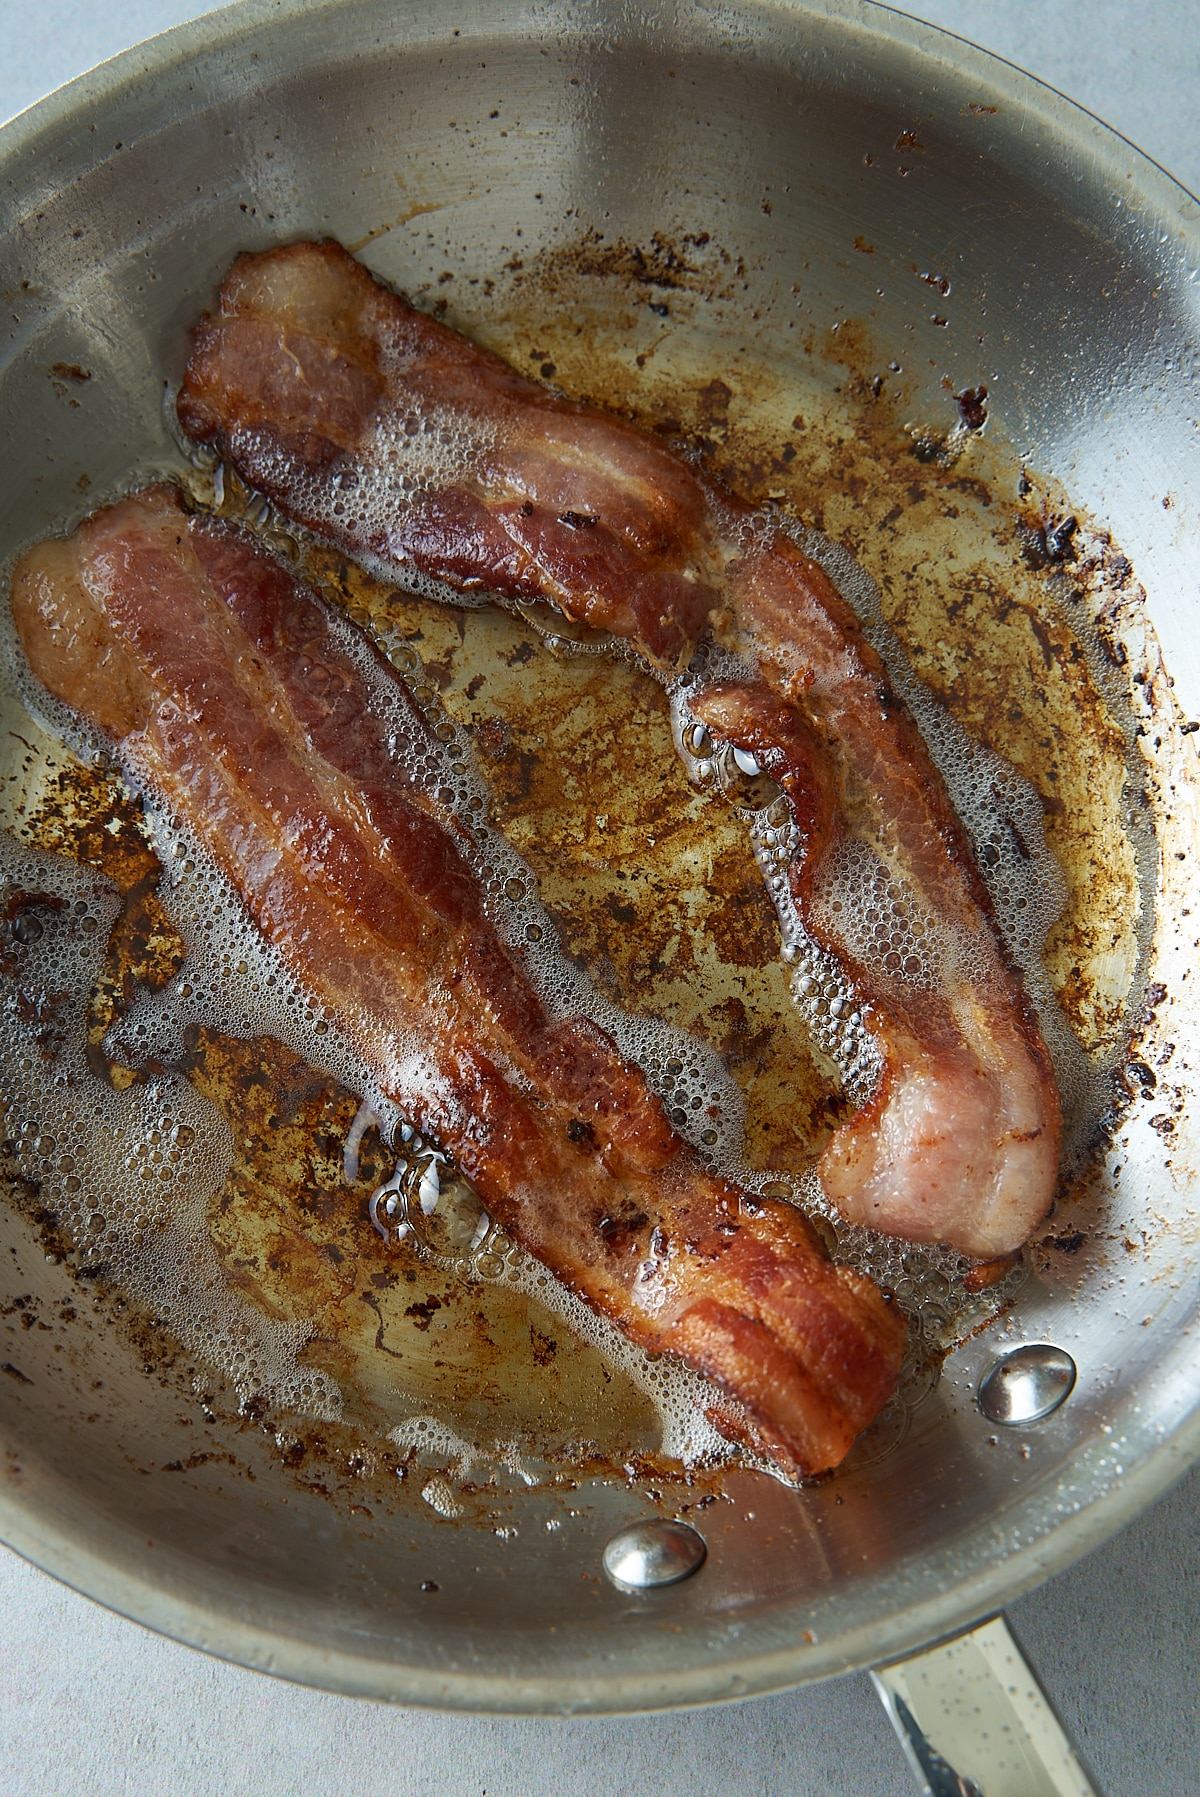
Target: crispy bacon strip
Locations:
point(411, 447)
point(283, 739)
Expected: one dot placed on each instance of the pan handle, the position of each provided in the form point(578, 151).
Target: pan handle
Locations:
point(974, 1721)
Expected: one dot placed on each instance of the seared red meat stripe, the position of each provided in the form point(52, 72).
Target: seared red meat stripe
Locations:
point(410, 447)
point(283, 740)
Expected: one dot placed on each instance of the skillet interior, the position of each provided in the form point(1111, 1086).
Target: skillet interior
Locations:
point(1070, 297)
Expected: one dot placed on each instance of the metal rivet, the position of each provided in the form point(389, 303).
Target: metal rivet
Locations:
point(1027, 1384)
point(652, 1553)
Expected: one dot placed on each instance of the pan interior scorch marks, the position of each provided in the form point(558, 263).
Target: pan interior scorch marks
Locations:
point(402, 1457)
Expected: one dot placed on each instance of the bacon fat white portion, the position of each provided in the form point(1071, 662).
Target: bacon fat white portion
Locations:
point(228, 687)
point(410, 447)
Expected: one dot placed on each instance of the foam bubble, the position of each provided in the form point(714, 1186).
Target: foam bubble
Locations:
point(126, 1175)
point(439, 1495)
point(408, 456)
point(1003, 814)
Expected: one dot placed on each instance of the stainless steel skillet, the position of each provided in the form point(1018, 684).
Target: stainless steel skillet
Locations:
point(1089, 350)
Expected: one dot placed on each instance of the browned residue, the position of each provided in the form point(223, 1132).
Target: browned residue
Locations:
point(293, 1234)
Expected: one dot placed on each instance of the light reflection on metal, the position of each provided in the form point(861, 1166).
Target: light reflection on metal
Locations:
point(1028, 1384)
point(974, 1722)
point(652, 1553)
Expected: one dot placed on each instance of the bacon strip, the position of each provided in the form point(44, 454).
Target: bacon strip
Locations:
point(410, 447)
point(284, 741)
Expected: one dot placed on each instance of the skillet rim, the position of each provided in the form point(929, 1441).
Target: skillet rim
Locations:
point(1002, 1576)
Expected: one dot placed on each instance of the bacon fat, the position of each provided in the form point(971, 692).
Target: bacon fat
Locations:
point(229, 688)
point(412, 448)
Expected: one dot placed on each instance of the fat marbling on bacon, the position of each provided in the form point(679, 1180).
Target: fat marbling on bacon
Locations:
point(412, 448)
point(229, 689)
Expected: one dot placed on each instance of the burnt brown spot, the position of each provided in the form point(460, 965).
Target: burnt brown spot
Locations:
point(990, 1272)
point(1049, 541)
point(493, 735)
point(972, 408)
point(620, 1232)
point(714, 400)
point(422, 1314)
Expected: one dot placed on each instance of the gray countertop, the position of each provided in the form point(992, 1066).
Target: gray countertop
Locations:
point(93, 1704)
